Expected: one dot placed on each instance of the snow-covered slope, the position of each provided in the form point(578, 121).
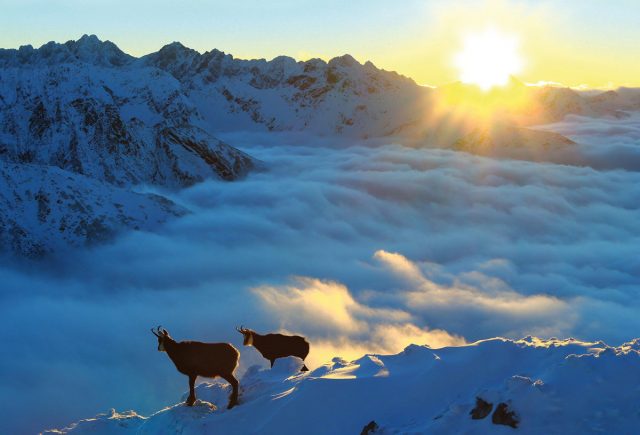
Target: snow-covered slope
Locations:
point(538, 386)
point(44, 209)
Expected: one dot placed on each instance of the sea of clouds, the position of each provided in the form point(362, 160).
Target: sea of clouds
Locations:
point(360, 246)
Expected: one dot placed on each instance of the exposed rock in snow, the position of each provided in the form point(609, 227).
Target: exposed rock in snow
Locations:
point(502, 415)
point(542, 386)
point(481, 410)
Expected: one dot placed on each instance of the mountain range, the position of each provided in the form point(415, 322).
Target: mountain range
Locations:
point(82, 124)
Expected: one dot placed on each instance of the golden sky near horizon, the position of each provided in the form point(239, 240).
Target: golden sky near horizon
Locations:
point(574, 42)
point(550, 47)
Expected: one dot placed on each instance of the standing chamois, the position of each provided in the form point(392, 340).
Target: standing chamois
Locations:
point(274, 346)
point(208, 360)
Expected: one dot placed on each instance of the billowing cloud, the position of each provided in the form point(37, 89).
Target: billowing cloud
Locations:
point(324, 304)
point(341, 325)
point(467, 247)
point(481, 300)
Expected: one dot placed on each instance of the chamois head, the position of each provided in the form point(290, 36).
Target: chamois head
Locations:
point(248, 335)
point(162, 335)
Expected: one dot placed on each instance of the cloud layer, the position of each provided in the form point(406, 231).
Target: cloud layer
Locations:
point(362, 247)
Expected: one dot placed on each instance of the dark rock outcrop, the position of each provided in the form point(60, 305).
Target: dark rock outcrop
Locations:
point(369, 428)
point(481, 410)
point(502, 415)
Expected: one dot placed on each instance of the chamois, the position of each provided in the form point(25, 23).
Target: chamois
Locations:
point(194, 358)
point(274, 346)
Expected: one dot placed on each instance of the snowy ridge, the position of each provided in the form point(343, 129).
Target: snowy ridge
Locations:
point(341, 96)
point(84, 126)
point(551, 386)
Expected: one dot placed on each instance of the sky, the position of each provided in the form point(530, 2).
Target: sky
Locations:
point(575, 42)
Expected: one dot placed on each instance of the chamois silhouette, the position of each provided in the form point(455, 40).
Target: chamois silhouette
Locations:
point(194, 358)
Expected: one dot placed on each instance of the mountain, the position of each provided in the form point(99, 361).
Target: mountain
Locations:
point(81, 107)
point(45, 209)
point(80, 126)
point(492, 386)
point(87, 108)
point(341, 96)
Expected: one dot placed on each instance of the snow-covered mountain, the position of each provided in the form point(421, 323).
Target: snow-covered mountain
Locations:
point(79, 106)
point(79, 126)
point(44, 208)
point(492, 386)
point(216, 92)
point(341, 96)
point(99, 114)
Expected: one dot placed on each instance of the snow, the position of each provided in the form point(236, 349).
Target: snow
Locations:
point(553, 386)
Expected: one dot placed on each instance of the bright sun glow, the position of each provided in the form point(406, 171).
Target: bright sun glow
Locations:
point(488, 59)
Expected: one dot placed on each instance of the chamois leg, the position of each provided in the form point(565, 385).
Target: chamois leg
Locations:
point(272, 361)
point(192, 394)
point(304, 366)
point(233, 399)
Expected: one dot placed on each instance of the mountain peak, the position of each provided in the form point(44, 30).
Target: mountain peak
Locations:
point(346, 60)
point(90, 49)
point(177, 46)
point(89, 39)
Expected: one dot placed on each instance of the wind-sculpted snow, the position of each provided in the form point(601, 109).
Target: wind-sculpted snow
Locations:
point(552, 386)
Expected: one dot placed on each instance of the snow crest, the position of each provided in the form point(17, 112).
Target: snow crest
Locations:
point(550, 386)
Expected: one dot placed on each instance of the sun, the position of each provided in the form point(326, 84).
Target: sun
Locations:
point(488, 58)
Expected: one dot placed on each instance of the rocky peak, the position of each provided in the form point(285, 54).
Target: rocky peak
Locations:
point(345, 61)
point(173, 53)
point(88, 49)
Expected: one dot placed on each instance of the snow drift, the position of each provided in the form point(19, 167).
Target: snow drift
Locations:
point(544, 386)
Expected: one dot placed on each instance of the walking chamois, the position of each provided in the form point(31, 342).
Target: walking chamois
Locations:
point(274, 346)
point(194, 358)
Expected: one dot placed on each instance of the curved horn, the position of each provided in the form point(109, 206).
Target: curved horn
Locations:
point(154, 333)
